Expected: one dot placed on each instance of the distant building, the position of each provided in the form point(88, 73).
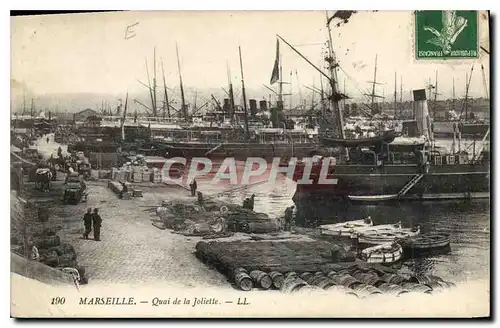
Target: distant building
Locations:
point(84, 114)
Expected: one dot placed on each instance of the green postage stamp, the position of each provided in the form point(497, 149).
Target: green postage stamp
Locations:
point(446, 34)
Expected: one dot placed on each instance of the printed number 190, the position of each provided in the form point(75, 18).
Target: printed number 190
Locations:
point(58, 300)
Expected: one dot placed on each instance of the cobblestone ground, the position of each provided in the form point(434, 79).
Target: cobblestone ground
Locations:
point(131, 249)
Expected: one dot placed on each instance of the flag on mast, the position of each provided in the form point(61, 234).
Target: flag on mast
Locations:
point(276, 69)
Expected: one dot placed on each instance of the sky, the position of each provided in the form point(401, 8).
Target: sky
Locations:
point(89, 53)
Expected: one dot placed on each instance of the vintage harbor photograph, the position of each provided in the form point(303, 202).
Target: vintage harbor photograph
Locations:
point(250, 164)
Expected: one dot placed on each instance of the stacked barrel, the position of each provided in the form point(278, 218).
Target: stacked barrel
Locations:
point(356, 281)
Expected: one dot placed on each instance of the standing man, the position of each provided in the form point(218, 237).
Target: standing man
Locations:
point(96, 218)
point(87, 222)
point(193, 186)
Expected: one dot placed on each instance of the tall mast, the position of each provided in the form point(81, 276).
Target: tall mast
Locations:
point(485, 83)
point(395, 93)
point(343, 100)
point(435, 97)
point(467, 85)
point(154, 82)
point(153, 104)
point(373, 85)
point(231, 93)
point(333, 82)
point(298, 87)
point(167, 105)
point(183, 101)
point(247, 136)
point(401, 97)
point(453, 100)
point(280, 84)
point(291, 89)
point(24, 101)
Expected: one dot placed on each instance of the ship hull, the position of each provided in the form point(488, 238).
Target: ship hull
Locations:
point(239, 150)
point(369, 185)
point(445, 128)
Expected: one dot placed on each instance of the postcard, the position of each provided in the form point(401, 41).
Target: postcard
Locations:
point(250, 164)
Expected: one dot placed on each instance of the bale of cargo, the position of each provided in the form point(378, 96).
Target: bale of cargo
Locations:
point(94, 174)
point(104, 174)
point(277, 278)
point(292, 284)
point(258, 226)
point(137, 193)
point(46, 242)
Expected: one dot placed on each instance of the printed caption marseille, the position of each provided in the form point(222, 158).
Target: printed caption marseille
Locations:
point(227, 170)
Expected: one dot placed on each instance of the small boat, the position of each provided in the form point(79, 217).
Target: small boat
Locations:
point(375, 198)
point(345, 229)
point(430, 241)
point(382, 237)
point(385, 253)
point(378, 228)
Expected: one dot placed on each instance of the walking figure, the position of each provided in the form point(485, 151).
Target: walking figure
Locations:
point(97, 220)
point(193, 186)
point(289, 219)
point(87, 222)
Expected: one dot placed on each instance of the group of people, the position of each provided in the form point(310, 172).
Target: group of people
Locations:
point(92, 220)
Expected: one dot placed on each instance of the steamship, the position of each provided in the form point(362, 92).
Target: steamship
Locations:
point(395, 168)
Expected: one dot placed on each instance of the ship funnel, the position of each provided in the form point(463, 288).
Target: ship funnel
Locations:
point(253, 107)
point(421, 110)
point(263, 105)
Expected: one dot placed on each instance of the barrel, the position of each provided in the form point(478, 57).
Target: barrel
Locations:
point(306, 276)
point(277, 278)
point(243, 281)
point(418, 288)
point(392, 278)
point(323, 282)
point(291, 274)
point(261, 279)
point(392, 289)
point(341, 289)
point(363, 290)
point(367, 278)
point(292, 284)
point(345, 280)
point(307, 289)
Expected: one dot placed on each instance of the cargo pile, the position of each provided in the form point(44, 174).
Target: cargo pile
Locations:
point(291, 266)
point(135, 173)
point(271, 255)
point(212, 217)
point(30, 239)
point(117, 188)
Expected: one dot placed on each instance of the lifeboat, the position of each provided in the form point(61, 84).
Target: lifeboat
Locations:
point(345, 229)
point(378, 237)
point(385, 253)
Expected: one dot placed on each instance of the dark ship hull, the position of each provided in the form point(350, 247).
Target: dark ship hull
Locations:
point(368, 184)
point(240, 150)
